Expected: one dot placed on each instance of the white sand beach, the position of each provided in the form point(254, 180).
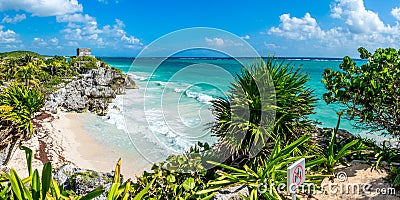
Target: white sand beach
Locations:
point(61, 139)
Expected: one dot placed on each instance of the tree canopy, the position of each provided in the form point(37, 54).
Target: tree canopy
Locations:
point(370, 93)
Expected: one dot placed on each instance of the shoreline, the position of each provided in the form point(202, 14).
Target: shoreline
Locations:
point(62, 139)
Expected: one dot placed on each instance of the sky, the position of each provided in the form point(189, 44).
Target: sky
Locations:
point(301, 28)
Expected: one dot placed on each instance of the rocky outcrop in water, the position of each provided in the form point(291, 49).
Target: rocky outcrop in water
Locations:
point(91, 91)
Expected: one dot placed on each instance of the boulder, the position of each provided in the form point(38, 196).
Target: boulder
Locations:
point(91, 91)
point(82, 181)
point(232, 193)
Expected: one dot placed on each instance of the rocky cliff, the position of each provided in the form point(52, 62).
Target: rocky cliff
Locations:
point(91, 91)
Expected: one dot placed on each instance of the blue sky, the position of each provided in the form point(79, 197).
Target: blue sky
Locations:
point(314, 28)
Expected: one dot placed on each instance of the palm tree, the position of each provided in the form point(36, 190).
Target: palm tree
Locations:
point(27, 74)
point(22, 61)
point(267, 100)
point(18, 104)
point(9, 69)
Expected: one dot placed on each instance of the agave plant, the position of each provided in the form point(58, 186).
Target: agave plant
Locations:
point(336, 154)
point(263, 181)
point(268, 100)
point(36, 187)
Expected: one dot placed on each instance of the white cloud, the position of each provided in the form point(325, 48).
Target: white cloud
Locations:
point(75, 18)
point(297, 28)
point(219, 42)
point(215, 41)
point(85, 28)
point(43, 7)
point(39, 42)
point(72, 43)
point(273, 46)
point(53, 41)
point(8, 36)
point(45, 42)
point(357, 18)
point(130, 39)
point(13, 20)
point(80, 27)
point(118, 34)
point(246, 37)
point(396, 13)
point(361, 27)
point(106, 1)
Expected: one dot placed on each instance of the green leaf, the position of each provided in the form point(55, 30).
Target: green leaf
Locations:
point(144, 191)
point(94, 193)
point(189, 184)
point(56, 190)
point(113, 193)
point(16, 185)
point(373, 83)
point(171, 178)
point(35, 185)
point(28, 154)
point(206, 191)
point(46, 179)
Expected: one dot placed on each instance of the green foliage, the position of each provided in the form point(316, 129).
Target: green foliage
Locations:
point(34, 188)
point(179, 177)
point(395, 176)
point(18, 103)
point(264, 91)
point(18, 54)
point(370, 92)
point(117, 70)
point(385, 153)
point(337, 152)
point(85, 58)
point(263, 181)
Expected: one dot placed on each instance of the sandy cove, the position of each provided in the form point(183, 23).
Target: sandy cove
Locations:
point(61, 139)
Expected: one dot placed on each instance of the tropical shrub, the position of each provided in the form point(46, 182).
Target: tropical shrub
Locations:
point(370, 93)
point(19, 54)
point(36, 187)
point(385, 152)
point(337, 153)
point(269, 99)
point(179, 177)
point(394, 176)
point(18, 103)
point(264, 181)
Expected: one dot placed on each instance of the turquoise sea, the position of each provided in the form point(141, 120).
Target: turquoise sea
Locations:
point(170, 111)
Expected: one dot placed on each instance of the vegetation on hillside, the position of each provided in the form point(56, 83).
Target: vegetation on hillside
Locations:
point(25, 79)
point(19, 54)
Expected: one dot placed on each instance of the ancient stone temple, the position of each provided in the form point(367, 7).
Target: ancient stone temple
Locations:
point(83, 52)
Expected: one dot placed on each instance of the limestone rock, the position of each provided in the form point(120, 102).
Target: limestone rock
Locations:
point(91, 91)
point(232, 193)
point(82, 181)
